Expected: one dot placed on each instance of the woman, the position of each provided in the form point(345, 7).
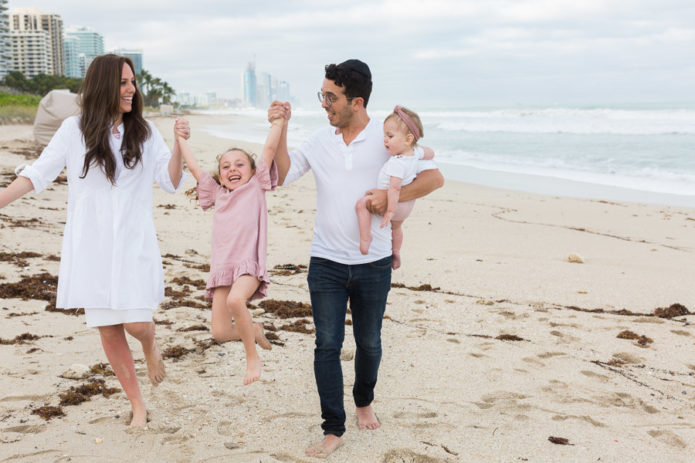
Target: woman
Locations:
point(110, 261)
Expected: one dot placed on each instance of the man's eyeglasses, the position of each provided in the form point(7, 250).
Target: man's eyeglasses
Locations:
point(329, 97)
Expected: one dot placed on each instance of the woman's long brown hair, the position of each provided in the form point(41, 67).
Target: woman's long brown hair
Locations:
point(100, 99)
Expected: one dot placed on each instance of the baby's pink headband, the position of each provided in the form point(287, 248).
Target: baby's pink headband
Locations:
point(412, 126)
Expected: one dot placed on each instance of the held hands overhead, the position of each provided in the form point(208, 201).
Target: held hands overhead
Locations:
point(182, 129)
point(279, 109)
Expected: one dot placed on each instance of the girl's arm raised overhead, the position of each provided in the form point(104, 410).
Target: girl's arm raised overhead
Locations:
point(273, 141)
point(15, 190)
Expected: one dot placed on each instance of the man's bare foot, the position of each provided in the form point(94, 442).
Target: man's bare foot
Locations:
point(261, 340)
point(155, 365)
point(366, 418)
point(253, 370)
point(364, 245)
point(328, 445)
point(395, 260)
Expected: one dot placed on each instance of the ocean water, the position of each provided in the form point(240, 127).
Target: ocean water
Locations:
point(627, 154)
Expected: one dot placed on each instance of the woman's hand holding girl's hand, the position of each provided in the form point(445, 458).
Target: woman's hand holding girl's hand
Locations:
point(182, 129)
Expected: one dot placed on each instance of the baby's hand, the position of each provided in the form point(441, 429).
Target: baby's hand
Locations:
point(182, 128)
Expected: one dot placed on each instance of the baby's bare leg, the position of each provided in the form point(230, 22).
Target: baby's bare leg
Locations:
point(396, 242)
point(242, 290)
point(364, 219)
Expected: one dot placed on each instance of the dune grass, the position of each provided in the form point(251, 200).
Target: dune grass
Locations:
point(18, 109)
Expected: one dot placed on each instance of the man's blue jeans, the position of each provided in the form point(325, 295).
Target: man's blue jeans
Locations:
point(331, 285)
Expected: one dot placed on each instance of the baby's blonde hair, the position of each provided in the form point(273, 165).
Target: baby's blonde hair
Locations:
point(401, 125)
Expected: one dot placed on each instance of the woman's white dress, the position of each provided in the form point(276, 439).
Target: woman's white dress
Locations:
point(110, 261)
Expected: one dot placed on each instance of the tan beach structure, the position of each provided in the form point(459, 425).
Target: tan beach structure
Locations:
point(54, 108)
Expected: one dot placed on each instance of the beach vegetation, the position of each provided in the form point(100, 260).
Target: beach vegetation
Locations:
point(155, 91)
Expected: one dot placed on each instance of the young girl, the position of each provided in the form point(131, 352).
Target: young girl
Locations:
point(402, 130)
point(110, 262)
point(239, 239)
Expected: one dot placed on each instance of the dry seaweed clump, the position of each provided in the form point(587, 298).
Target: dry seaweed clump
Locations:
point(194, 328)
point(286, 309)
point(298, 326)
point(642, 340)
point(199, 284)
point(423, 287)
point(20, 339)
point(175, 352)
point(48, 412)
point(18, 258)
point(41, 287)
point(674, 310)
point(288, 269)
point(82, 393)
point(102, 369)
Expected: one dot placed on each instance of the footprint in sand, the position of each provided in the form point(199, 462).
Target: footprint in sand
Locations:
point(26, 429)
point(33, 398)
point(591, 374)
point(668, 438)
point(408, 456)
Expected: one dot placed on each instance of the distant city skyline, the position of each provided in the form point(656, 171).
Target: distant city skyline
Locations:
point(438, 54)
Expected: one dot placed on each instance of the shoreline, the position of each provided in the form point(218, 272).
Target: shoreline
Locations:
point(492, 340)
point(516, 181)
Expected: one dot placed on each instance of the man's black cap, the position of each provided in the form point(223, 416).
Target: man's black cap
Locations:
point(357, 66)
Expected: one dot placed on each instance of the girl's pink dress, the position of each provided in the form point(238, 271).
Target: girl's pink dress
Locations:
point(239, 228)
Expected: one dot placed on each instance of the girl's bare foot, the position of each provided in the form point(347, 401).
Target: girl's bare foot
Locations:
point(328, 445)
point(155, 365)
point(366, 418)
point(261, 340)
point(253, 370)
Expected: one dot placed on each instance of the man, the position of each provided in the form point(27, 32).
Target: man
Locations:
point(346, 159)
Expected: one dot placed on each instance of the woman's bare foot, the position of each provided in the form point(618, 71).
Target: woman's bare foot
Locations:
point(328, 445)
point(366, 418)
point(139, 417)
point(155, 365)
point(253, 370)
point(261, 340)
point(395, 260)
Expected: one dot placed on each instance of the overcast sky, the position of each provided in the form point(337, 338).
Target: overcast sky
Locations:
point(423, 54)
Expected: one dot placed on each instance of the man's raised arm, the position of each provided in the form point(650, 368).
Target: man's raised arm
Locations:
point(282, 157)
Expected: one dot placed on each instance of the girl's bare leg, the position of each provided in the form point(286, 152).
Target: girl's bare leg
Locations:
point(364, 219)
point(118, 353)
point(396, 243)
point(242, 290)
point(144, 332)
point(223, 327)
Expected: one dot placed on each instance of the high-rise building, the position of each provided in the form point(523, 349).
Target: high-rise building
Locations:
point(283, 91)
point(5, 41)
point(134, 54)
point(250, 84)
point(24, 25)
point(31, 53)
point(82, 45)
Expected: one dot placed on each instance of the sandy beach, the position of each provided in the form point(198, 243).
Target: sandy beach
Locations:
point(495, 344)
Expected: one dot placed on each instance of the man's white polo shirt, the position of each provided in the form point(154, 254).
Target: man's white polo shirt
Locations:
point(343, 174)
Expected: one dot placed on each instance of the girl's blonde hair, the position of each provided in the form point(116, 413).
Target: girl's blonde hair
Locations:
point(193, 192)
point(403, 126)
